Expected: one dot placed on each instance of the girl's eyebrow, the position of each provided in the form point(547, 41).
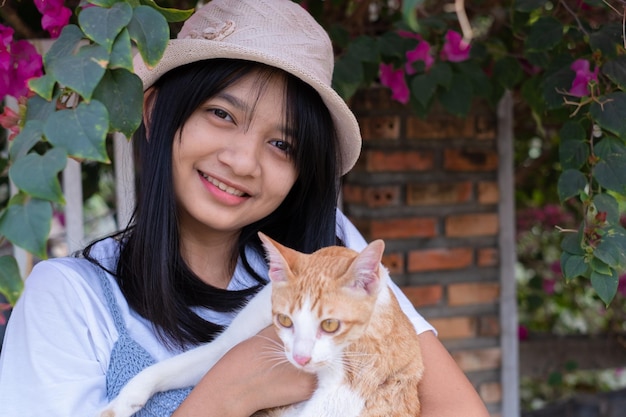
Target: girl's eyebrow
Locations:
point(243, 106)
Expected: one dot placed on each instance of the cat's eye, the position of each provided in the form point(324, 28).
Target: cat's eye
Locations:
point(284, 320)
point(330, 325)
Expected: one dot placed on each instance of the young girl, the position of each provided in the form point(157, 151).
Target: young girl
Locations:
point(241, 133)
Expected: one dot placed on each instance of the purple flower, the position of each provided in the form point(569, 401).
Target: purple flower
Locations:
point(621, 285)
point(55, 15)
point(455, 49)
point(394, 79)
point(580, 85)
point(522, 332)
point(420, 53)
point(19, 61)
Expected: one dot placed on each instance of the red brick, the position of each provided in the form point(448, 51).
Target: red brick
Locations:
point(473, 160)
point(377, 161)
point(488, 257)
point(488, 192)
point(473, 293)
point(489, 326)
point(380, 127)
point(403, 228)
point(441, 127)
point(353, 194)
point(439, 259)
point(479, 224)
point(478, 360)
point(382, 196)
point(439, 193)
point(454, 327)
point(394, 262)
point(424, 295)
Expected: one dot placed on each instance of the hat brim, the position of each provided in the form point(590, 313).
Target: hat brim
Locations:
point(184, 51)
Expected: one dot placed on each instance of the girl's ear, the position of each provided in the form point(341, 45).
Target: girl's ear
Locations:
point(149, 98)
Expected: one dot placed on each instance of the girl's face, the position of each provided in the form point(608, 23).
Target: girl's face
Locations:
point(231, 160)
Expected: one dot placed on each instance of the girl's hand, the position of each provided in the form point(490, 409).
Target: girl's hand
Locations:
point(250, 377)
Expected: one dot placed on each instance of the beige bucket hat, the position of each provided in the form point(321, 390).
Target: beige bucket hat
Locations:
point(279, 33)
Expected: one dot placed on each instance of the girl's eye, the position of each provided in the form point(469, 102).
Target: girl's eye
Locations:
point(284, 320)
point(283, 145)
point(222, 114)
point(330, 325)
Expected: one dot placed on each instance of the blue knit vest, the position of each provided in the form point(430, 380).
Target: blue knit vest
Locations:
point(128, 358)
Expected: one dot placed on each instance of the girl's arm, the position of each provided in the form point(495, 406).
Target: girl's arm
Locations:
point(247, 379)
point(445, 391)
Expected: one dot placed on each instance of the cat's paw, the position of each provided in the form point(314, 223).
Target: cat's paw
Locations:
point(118, 408)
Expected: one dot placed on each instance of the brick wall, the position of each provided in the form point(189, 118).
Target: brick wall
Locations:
point(429, 188)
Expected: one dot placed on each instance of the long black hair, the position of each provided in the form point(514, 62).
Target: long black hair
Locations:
point(151, 272)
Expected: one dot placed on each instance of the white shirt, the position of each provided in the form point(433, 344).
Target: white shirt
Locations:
point(60, 334)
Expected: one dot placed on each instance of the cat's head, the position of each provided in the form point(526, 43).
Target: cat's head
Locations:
point(322, 302)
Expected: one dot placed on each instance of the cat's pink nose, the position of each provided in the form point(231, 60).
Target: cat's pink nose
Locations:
point(301, 360)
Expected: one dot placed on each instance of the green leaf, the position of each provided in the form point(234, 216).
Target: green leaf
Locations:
point(480, 83)
point(26, 223)
point(64, 45)
point(570, 184)
point(393, 45)
point(44, 86)
point(39, 109)
point(410, 14)
point(103, 3)
point(442, 74)
point(573, 149)
point(610, 170)
point(507, 71)
point(122, 54)
point(80, 131)
point(610, 112)
point(528, 6)
point(573, 265)
point(347, 76)
point(560, 80)
point(600, 267)
point(365, 48)
point(11, 284)
point(102, 25)
point(81, 71)
point(616, 71)
point(572, 243)
point(458, 99)
point(38, 175)
point(544, 34)
point(605, 285)
point(149, 29)
point(31, 134)
point(612, 248)
point(607, 39)
point(171, 15)
point(606, 203)
point(423, 87)
point(122, 94)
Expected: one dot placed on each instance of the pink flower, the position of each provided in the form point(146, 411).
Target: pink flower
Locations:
point(10, 120)
point(420, 53)
point(548, 285)
point(621, 285)
point(455, 49)
point(522, 332)
point(394, 79)
point(55, 15)
point(19, 61)
point(580, 85)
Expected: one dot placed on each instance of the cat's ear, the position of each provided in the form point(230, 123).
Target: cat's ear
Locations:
point(366, 267)
point(279, 267)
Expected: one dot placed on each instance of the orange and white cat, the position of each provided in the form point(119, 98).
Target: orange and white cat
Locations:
point(337, 318)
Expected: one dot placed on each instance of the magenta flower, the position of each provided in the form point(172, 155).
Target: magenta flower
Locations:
point(455, 49)
point(19, 61)
point(522, 332)
point(55, 15)
point(10, 120)
point(580, 85)
point(4, 307)
point(621, 286)
point(420, 53)
point(394, 79)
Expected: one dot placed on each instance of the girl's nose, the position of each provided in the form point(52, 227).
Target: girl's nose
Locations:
point(242, 154)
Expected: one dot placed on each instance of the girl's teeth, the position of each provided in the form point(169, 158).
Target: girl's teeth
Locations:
point(224, 187)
